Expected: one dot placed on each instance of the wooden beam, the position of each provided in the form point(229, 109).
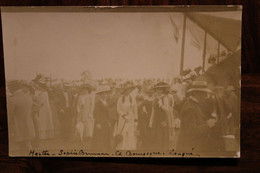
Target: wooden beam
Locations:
point(204, 52)
point(183, 44)
point(218, 52)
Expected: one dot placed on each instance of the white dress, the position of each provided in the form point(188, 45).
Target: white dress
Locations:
point(127, 110)
point(85, 113)
point(45, 119)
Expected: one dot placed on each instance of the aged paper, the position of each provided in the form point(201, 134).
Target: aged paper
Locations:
point(123, 81)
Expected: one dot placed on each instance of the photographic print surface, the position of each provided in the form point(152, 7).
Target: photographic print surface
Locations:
point(123, 81)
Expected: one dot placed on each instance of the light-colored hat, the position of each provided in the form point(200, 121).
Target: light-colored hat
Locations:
point(67, 84)
point(102, 89)
point(199, 86)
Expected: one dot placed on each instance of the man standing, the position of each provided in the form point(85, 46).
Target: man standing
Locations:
point(197, 119)
point(66, 104)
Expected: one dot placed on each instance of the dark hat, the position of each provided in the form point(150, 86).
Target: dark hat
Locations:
point(13, 83)
point(128, 86)
point(161, 85)
point(26, 84)
point(42, 80)
point(201, 86)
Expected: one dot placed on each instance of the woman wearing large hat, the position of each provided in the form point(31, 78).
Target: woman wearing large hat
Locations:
point(101, 133)
point(85, 106)
point(159, 120)
point(45, 123)
point(20, 123)
point(127, 110)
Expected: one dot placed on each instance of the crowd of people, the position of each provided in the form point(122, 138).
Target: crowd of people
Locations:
point(139, 114)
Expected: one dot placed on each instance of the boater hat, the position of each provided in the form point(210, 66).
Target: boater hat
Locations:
point(199, 86)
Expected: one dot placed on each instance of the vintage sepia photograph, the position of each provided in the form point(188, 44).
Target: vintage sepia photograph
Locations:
point(161, 81)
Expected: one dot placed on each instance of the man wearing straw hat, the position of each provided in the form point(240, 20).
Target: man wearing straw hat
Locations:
point(196, 120)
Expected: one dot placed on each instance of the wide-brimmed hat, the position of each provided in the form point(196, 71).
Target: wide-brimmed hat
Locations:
point(67, 84)
point(42, 80)
point(128, 86)
point(162, 85)
point(27, 84)
point(201, 86)
point(103, 89)
point(13, 83)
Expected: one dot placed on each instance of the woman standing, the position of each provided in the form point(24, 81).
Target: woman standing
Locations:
point(159, 119)
point(101, 133)
point(20, 122)
point(84, 113)
point(45, 118)
point(127, 110)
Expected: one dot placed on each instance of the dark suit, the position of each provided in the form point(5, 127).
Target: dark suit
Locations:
point(65, 108)
point(195, 133)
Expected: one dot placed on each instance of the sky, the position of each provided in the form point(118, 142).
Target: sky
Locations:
point(125, 45)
